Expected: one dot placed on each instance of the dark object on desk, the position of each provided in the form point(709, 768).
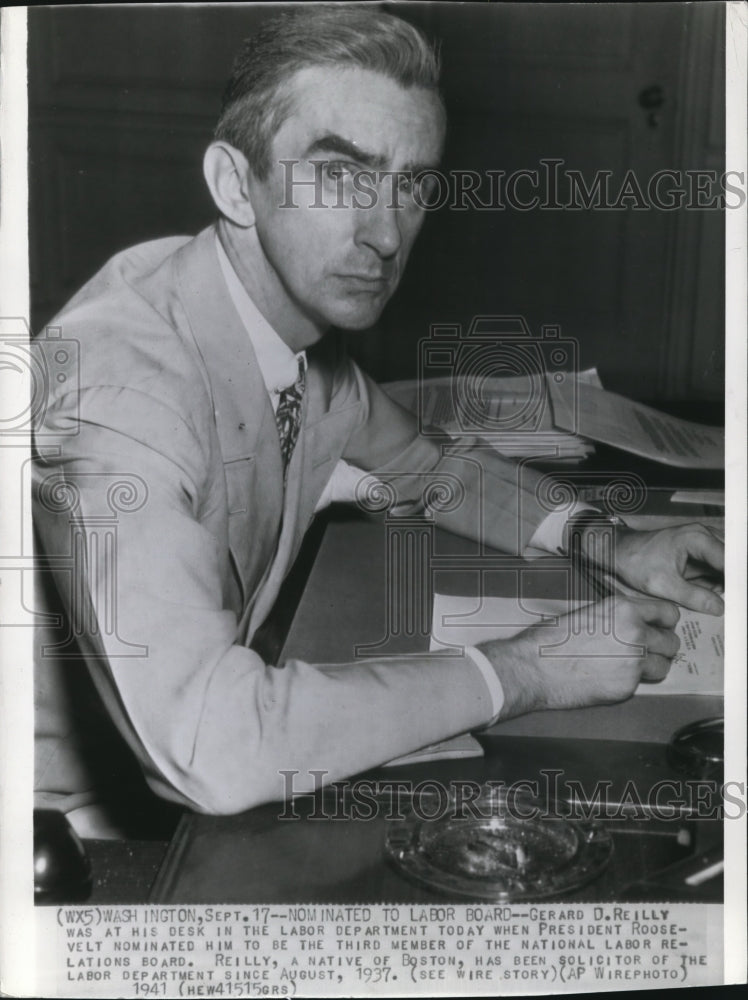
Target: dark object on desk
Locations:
point(698, 749)
point(62, 871)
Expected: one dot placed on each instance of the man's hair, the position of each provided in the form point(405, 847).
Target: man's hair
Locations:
point(257, 99)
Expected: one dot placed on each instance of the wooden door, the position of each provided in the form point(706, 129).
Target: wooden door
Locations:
point(578, 84)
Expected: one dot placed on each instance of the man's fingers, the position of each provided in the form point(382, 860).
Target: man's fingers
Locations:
point(657, 612)
point(703, 598)
point(661, 641)
point(696, 596)
point(705, 547)
point(708, 582)
point(655, 668)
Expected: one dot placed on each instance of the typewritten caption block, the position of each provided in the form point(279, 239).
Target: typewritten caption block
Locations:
point(334, 950)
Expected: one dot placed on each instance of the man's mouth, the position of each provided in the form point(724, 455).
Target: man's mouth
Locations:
point(367, 282)
point(371, 278)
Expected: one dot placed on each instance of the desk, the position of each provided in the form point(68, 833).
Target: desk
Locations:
point(256, 857)
point(343, 607)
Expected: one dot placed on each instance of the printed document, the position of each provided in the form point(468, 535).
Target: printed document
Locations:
point(698, 668)
point(605, 416)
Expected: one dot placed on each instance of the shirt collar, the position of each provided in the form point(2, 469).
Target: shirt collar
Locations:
point(279, 365)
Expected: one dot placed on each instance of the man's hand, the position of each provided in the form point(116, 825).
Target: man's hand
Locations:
point(684, 564)
point(594, 656)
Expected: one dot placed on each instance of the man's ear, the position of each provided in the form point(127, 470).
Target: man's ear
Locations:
point(227, 175)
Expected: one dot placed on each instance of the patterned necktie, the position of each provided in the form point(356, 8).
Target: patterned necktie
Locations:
point(288, 416)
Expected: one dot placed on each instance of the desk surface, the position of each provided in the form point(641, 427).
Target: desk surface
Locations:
point(256, 857)
point(312, 851)
point(342, 608)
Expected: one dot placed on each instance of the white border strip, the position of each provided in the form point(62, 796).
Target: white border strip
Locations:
point(17, 938)
point(736, 289)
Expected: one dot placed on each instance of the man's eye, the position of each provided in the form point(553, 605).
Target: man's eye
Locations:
point(425, 185)
point(418, 187)
point(338, 170)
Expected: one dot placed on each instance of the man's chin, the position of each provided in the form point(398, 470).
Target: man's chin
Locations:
point(356, 316)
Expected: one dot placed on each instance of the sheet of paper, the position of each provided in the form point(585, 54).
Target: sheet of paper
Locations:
point(467, 621)
point(613, 419)
point(715, 498)
point(457, 748)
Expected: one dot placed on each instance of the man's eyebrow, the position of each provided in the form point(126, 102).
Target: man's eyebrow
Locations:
point(335, 144)
point(419, 168)
point(338, 146)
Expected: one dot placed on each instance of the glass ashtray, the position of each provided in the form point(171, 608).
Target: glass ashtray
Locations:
point(499, 854)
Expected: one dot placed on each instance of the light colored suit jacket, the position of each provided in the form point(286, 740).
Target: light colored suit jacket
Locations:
point(167, 576)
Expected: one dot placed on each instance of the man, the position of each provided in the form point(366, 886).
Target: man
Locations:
point(210, 387)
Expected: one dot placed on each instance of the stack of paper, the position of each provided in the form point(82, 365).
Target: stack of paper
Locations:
point(558, 416)
point(712, 498)
point(514, 415)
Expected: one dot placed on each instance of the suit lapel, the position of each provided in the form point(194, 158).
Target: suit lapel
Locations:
point(244, 418)
point(240, 402)
point(248, 435)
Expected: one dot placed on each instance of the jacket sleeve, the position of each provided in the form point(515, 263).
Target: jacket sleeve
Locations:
point(120, 497)
point(485, 496)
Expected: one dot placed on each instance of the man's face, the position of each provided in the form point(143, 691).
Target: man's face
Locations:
point(339, 265)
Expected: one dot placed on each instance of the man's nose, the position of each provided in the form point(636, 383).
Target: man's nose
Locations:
point(378, 227)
